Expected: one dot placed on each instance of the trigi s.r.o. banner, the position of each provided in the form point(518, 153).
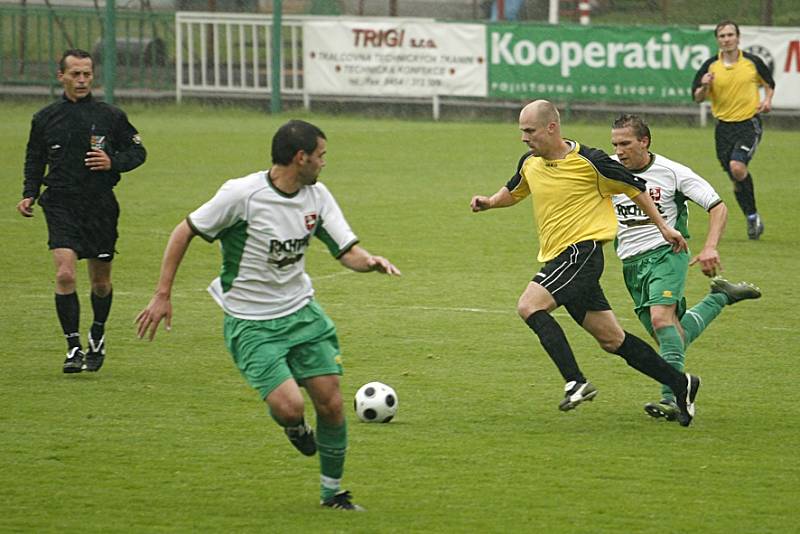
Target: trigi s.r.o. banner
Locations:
point(394, 58)
point(584, 63)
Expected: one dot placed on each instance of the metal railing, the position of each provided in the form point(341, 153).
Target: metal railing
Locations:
point(32, 39)
point(232, 53)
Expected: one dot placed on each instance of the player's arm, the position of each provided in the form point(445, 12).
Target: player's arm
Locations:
point(671, 235)
point(359, 260)
point(709, 256)
point(701, 85)
point(766, 105)
point(160, 306)
point(502, 199)
point(766, 80)
point(515, 190)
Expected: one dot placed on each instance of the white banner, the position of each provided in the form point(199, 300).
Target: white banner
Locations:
point(780, 49)
point(394, 58)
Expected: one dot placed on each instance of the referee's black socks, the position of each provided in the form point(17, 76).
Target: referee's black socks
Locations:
point(69, 313)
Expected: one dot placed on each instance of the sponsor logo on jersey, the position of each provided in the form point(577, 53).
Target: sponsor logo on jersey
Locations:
point(667, 293)
point(311, 220)
point(285, 261)
point(289, 245)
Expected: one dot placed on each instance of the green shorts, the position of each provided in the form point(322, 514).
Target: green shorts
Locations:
point(656, 277)
point(299, 346)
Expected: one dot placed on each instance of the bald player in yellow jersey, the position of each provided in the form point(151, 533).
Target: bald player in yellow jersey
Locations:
point(731, 81)
point(571, 187)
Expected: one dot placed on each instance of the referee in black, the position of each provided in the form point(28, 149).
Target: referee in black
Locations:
point(83, 145)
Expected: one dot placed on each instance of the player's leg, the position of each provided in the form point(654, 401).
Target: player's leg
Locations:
point(259, 350)
point(605, 328)
point(661, 275)
point(556, 283)
point(317, 364)
point(68, 307)
point(742, 140)
point(101, 298)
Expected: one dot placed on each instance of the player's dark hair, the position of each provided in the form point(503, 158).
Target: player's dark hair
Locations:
point(74, 52)
point(726, 23)
point(292, 137)
point(635, 123)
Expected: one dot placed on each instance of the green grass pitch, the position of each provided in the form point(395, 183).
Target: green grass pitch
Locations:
point(168, 437)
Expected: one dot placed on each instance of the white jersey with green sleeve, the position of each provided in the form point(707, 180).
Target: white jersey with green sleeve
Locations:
point(670, 185)
point(264, 234)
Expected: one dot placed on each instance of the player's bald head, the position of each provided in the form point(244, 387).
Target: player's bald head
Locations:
point(540, 113)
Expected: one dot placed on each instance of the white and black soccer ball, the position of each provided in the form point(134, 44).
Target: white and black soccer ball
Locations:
point(375, 402)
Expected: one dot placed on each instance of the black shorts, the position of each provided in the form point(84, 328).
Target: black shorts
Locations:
point(86, 224)
point(737, 140)
point(573, 279)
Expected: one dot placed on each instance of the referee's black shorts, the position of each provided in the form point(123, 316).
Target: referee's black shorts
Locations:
point(86, 224)
point(737, 141)
point(573, 279)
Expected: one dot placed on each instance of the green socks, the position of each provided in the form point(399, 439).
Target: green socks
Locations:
point(672, 350)
point(699, 316)
point(332, 447)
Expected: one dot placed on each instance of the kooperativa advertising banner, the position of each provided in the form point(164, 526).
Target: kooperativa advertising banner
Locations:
point(591, 64)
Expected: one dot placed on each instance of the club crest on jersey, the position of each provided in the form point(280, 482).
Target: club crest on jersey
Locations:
point(655, 193)
point(311, 220)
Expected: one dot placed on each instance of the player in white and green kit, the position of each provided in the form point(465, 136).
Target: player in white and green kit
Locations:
point(278, 335)
point(654, 275)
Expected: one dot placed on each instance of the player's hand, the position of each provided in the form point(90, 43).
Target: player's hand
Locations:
point(707, 79)
point(382, 265)
point(674, 238)
point(709, 262)
point(764, 107)
point(480, 203)
point(25, 207)
point(97, 160)
point(160, 307)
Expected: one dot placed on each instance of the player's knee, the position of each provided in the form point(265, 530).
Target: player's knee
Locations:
point(526, 308)
point(738, 170)
point(289, 409)
point(331, 409)
point(611, 340)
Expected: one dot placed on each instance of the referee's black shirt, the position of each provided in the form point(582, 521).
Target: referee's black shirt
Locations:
point(61, 135)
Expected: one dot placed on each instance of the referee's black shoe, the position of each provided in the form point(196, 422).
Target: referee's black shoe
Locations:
point(95, 355)
point(74, 361)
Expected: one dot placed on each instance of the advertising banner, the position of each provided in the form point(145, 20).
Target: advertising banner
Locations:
point(596, 64)
point(394, 58)
point(780, 50)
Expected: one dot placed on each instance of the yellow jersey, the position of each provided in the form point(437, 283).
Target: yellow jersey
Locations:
point(572, 196)
point(734, 92)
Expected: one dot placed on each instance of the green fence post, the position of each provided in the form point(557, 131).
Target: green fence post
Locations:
point(275, 100)
point(110, 52)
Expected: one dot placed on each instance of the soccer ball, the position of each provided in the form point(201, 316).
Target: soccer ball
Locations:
point(375, 402)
